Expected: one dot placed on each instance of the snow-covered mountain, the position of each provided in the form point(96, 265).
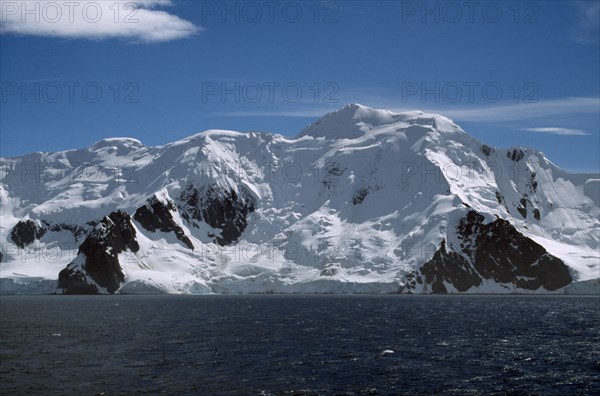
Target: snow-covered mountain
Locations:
point(363, 200)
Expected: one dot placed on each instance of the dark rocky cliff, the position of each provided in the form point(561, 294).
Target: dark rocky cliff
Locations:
point(97, 265)
point(495, 251)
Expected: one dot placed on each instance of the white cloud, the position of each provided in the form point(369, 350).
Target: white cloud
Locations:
point(493, 113)
point(299, 111)
point(523, 111)
point(559, 131)
point(138, 21)
point(588, 23)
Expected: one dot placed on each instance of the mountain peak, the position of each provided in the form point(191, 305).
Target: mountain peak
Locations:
point(118, 142)
point(354, 120)
point(349, 122)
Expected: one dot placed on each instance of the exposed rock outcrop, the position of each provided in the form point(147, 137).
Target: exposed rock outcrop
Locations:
point(360, 194)
point(333, 172)
point(224, 210)
point(500, 252)
point(76, 230)
point(516, 154)
point(451, 267)
point(487, 150)
point(26, 232)
point(156, 215)
point(494, 251)
point(97, 266)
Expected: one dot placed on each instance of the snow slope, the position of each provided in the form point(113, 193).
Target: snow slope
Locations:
point(357, 202)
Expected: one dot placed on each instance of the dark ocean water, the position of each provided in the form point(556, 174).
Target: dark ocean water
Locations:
point(294, 345)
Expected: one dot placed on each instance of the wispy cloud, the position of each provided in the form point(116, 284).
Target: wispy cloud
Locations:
point(523, 111)
point(299, 111)
point(588, 22)
point(559, 131)
point(472, 113)
point(135, 21)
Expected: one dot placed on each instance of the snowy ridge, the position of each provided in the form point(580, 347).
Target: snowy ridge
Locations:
point(359, 201)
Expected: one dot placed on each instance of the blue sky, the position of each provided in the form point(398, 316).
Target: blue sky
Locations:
point(510, 73)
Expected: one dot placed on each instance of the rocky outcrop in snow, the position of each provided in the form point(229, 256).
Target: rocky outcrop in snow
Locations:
point(96, 268)
point(26, 232)
point(225, 210)
point(155, 215)
point(494, 251)
point(447, 267)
